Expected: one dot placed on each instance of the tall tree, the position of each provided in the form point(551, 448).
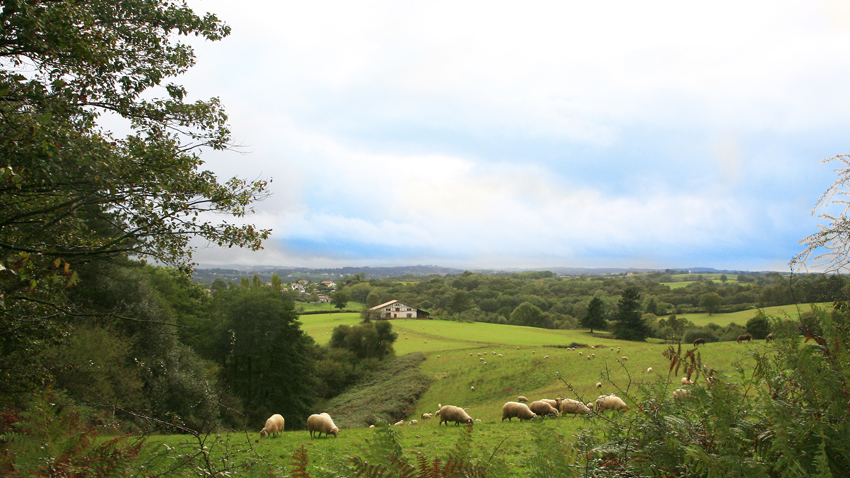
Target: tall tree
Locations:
point(711, 302)
point(595, 316)
point(72, 192)
point(265, 357)
point(630, 324)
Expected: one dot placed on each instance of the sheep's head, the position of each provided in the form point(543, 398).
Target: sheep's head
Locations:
point(263, 433)
point(335, 431)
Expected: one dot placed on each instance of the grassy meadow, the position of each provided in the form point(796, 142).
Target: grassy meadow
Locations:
point(741, 317)
point(536, 363)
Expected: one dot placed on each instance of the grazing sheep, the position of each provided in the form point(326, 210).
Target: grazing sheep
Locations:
point(592, 347)
point(593, 355)
point(371, 426)
point(699, 341)
point(494, 352)
point(398, 423)
point(472, 388)
point(499, 355)
point(321, 423)
point(649, 370)
point(580, 352)
point(681, 394)
point(485, 363)
point(522, 399)
point(598, 384)
point(624, 358)
point(470, 354)
point(517, 348)
point(553, 403)
point(516, 409)
point(274, 425)
point(450, 413)
point(768, 338)
point(686, 381)
point(611, 402)
point(413, 422)
point(438, 356)
point(589, 357)
point(747, 337)
point(426, 416)
point(479, 354)
point(618, 349)
point(545, 356)
point(573, 406)
point(543, 409)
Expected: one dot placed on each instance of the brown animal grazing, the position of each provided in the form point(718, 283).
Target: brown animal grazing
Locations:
point(699, 341)
point(769, 338)
point(747, 337)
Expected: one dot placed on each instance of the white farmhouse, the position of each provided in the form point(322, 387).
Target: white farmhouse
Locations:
point(397, 310)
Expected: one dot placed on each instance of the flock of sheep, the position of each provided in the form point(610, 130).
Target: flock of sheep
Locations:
point(322, 423)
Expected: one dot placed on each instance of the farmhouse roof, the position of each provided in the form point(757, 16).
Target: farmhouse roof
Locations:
point(384, 304)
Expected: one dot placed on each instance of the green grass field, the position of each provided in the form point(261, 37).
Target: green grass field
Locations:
point(743, 316)
point(530, 364)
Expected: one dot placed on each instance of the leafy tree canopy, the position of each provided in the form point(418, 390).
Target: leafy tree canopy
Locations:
point(72, 192)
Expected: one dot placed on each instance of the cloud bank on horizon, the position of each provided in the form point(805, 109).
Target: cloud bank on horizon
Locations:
point(480, 134)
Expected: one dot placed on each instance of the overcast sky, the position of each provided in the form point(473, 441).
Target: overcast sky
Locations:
point(530, 134)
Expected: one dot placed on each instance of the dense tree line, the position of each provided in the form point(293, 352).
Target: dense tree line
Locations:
point(542, 299)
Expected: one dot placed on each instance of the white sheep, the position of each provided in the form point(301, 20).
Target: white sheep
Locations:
point(543, 408)
point(649, 370)
point(611, 402)
point(398, 423)
point(598, 384)
point(545, 356)
point(321, 423)
point(450, 413)
point(426, 416)
point(580, 352)
point(516, 409)
point(499, 355)
point(681, 394)
point(413, 422)
point(553, 403)
point(274, 425)
point(573, 406)
point(522, 399)
point(624, 358)
point(472, 388)
point(686, 381)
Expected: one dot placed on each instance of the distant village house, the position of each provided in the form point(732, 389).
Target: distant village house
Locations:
point(397, 310)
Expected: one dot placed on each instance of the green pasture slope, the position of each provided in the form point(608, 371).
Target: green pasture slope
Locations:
point(741, 317)
point(453, 363)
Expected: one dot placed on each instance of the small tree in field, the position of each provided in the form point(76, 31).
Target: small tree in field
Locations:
point(339, 299)
point(595, 316)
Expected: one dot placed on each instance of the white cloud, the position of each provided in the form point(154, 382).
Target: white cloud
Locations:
point(327, 95)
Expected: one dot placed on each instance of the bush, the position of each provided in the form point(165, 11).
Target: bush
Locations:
point(758, 326)
point(698, 333)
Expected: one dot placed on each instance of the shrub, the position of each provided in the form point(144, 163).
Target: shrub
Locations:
point(698, 333)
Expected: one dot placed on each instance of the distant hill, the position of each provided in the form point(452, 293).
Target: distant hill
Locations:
point(290, 274)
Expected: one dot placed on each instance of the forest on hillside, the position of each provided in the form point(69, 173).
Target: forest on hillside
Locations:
point(544, 299)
